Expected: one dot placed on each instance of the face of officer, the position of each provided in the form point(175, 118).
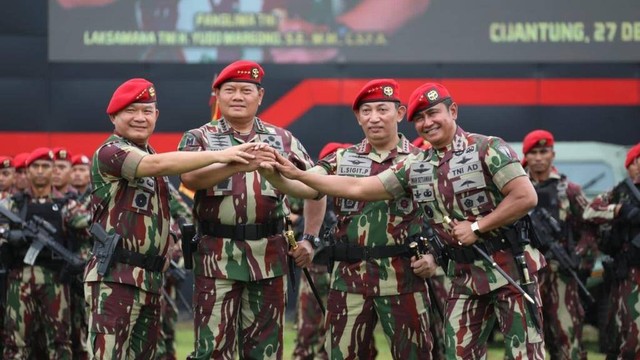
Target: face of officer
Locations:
point(437, 124)
point(40, 173)
point(80, 176)
point(22, 182)
point(379, 122)
point(239, 101)
point(61, 173)
point(540, 159)
point(7, 178)
point(136, 122)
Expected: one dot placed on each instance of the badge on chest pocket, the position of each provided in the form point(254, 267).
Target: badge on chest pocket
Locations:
point(354, 165)
point(218, 142)
point(145, 188)
point(275, 141)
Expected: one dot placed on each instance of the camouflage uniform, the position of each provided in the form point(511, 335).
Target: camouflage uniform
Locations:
point(38, 299)
point(239, 291)
point(125, 304)
point(561, 305)
point(625, 289)
point(441, 285)
point(464, 180)
point(367, 289)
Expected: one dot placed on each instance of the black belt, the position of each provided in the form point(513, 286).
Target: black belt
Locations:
point(147, 262)
point(354, 253)
point(466, 255)
point(242, 231)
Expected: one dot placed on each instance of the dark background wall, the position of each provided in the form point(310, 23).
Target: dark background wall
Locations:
point(46, 102)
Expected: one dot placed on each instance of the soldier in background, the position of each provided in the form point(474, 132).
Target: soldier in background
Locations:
point(62, 173)
point(21, 181)
point(239, 268)
point(130, 199)
point(372, 278)
point(38, 297)
point(81, 176)
point(564, 200)
point(7, 176)
point(618, 213)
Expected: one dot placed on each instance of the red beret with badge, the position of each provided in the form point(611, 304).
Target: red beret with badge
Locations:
point(426, 96)
point(332, 147)
point(136, 90)
point(240, 71)
point(377, 90)
point(633, 153)
point(41, 153)
point(537, 138)
point(6, 162)
point(60, 153)
point(19, 161)
point(80, 159)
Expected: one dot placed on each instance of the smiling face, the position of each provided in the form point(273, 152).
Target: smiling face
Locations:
point(136, 122)
point(437, 124)
point(239, 101)
point(379, 122)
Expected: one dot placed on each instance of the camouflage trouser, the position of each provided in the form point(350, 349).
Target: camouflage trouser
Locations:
point(79, 323)
point(123, 321)
point(36, 301)
point(441, 284)
point(229, 312)
point(168, 319)
point(563, 314)
point(351, 319)
point(310, 334)
point(627, 317)
point(470, 319)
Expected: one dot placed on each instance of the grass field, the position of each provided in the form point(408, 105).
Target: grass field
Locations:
point(184, 343)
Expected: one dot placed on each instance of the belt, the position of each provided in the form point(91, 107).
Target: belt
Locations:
point(354, 253)
point(466, 255)
point(242, 231)
point(147, 262)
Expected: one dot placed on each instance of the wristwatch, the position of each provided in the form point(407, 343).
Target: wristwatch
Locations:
point(476, 228)
point(312, 239)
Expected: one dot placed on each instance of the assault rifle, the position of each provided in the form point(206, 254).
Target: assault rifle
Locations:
point(39, 232)
point(548, 232)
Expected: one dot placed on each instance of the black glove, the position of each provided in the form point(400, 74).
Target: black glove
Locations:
point(629, 213)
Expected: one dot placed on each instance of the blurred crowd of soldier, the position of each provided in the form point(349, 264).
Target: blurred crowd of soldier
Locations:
point(438, 240)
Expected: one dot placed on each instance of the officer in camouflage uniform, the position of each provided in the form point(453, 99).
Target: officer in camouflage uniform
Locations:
point(478, 181)
point(618, 213)
point(239, 268)
point(564, 200)
point(38, 298)
point(130, 198)
point(372, 278)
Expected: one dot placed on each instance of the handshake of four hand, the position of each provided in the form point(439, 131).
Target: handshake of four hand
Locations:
point(261, 157)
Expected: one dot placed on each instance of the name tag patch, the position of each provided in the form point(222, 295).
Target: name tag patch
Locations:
point(354, 164)
point(421, 174)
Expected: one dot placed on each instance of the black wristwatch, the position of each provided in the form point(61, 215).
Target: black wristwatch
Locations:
point(312, 239)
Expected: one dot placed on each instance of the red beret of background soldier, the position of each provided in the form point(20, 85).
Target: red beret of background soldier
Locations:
point(632, 155)
point(128, 177)
point(21, 181)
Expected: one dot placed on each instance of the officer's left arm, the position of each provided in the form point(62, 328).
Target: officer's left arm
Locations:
point(586, 248)
point(313, 217)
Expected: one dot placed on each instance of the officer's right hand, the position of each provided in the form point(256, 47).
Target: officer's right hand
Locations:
point(425, 267)
point(286, 167)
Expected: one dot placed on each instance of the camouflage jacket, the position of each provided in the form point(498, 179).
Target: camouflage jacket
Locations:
point(377, 223)
point(135, 208)
point(244, 198)
point(568, 208)
point(463, 181)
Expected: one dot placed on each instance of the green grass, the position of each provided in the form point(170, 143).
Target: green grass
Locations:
point(184, 343)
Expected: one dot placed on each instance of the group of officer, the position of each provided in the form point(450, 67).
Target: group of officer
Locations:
point(514, 240)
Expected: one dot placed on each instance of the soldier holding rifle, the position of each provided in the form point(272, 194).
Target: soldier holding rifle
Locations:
point(478, 181)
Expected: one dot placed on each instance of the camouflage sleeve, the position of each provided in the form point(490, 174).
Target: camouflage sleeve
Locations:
point(299, 155)
point(191, 141)
point(330, 162)
point(119, 160)
point(396, 178)
point(586, 247)
point(501, 161)
point(177, 206)
point(600, 210)
point(76, 215)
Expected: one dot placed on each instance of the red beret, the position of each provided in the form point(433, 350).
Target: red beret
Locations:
point(80, 160)
point(131, 91)
point(332, 147)
point(60, 153)
point(421, 143)
point(42, 153)
point(20, 160)
point(633, 153)
point(426, 96)
point(537, 138)
point(241, 71)
point(6, 162)
point(377, 90)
